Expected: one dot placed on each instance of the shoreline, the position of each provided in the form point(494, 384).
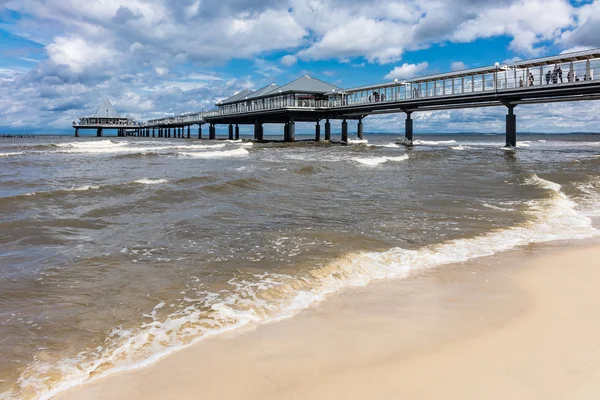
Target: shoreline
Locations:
point(394, 334)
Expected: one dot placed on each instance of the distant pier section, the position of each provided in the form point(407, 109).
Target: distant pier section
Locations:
point(106, 117)
point(561, 78)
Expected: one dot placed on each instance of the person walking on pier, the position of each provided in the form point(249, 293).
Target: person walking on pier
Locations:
point(570, 76)
point(548, 77)
point(559, 71)
point(555, 76)
point(520, 82)
point(531, 79)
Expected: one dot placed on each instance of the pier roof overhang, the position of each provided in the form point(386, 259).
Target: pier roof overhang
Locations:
point(261, 92)
point(459, 74)
point(559, 59)
point(305, 84)
point(235, 98)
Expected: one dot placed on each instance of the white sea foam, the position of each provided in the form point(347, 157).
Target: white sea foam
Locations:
point(357, 141)
point(435, 142)
point(84, 188)
point(241, 152)
point(18, 153)
point(460, 147)
point(589, 203)
point(269, 297)
point(493, 207)
point(146, 181)
point(374, 161)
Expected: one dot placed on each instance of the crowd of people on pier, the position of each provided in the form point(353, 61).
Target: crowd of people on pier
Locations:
point(556, 76)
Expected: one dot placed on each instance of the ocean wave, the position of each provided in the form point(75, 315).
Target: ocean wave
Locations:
point(241, 152)
point(17, 153)
point(254, 298)
point(389, 145)
point(589, 202)
point(82, 188)
point(146, 181)
point(434, 142)
point(375, 161)
point(357, 141)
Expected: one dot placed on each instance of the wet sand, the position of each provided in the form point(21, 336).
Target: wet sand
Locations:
point(519, 325)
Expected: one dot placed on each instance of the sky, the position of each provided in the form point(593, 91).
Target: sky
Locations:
point(155, 58)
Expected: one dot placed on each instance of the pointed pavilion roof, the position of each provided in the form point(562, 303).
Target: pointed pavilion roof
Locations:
point(236, 97)
point(306, 84)
point(106, 110)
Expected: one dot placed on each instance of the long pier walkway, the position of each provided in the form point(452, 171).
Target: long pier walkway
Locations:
point(561, 78)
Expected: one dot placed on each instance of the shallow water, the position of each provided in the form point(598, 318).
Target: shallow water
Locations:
point(116, 251)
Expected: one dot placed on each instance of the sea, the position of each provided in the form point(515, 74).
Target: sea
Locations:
point(115, 252)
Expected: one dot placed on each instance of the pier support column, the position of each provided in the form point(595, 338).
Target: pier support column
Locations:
point(257, 129)
point(212, 132)
point(153, 132)
point(148, 132)
point(199, 131)
point(237, 132)
point(317, 132)
point(76, 132)
point(292, 131)
point(511, 127)
point(345, 131)
point(327, 130)
point(286, 132)
point(99, 132)
point(189, 135)
point(361, 135)
point(408, 129)
point(168, 132)
point(230, 131)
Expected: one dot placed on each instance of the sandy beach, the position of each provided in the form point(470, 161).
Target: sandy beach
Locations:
point(519, 325)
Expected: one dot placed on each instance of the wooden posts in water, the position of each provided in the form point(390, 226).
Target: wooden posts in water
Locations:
point(76, 132)
point(360, 129)
point(408, 129)
point(345, 131)
point(327, 130)
point(212, 132)
point(230, 132)
point(317, 132)
point(99, 132)
point(237, 132)
point(189, 133)
point(511, 127)
point(199, 131)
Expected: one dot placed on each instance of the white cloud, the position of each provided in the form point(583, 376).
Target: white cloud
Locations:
point(289, 60)
point(78, 54)
point(457, 66)
point(406, 71)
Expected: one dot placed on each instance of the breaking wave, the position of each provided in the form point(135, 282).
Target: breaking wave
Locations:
point(375, 161)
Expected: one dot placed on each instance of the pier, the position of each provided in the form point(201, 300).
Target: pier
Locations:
point(561, 78)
